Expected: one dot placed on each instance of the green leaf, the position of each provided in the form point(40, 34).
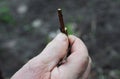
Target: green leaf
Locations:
point(5, 15)
point(4, 9)
point(69, 29)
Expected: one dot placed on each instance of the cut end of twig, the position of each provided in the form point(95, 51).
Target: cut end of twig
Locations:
point(59, 9)
point(62, 27)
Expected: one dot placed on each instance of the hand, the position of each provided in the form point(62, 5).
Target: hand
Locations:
point(44, 66)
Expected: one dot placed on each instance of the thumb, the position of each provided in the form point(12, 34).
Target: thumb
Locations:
point(45, 61)
point(54, 51)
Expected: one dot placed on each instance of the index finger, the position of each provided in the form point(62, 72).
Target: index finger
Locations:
point(77, 62)
point(77, 45)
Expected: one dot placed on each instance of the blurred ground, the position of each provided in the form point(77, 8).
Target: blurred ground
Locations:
point(26, 26)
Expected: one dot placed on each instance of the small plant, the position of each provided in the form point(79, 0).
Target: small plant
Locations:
point(5, 15)
point(69, 29)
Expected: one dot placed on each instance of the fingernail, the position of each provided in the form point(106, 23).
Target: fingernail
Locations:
point(61, 37)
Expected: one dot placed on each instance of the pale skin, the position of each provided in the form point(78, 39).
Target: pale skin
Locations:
point(45, 65)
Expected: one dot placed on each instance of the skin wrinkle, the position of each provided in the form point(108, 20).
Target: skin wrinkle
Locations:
point(84, 64)
point(51, 67)
point(86, 73)
point(55, 73)
point(41, 69)
point(43, 64)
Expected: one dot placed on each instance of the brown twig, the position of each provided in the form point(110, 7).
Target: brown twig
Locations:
point(63, 29)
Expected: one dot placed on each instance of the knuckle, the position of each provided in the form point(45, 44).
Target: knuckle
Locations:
point(86, 58)
point(64, 40)
point(84, 61)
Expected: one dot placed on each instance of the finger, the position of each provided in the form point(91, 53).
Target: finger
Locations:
point(54, 51)
point(77, 45)
point(77, 62)
point(57, 48)
point(86, 74)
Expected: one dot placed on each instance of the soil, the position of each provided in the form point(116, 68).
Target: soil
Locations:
point(95, 21)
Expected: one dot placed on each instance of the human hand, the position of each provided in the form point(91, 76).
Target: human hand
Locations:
point(44, 66)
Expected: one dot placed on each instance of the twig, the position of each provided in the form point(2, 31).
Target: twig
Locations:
point(63, 29)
